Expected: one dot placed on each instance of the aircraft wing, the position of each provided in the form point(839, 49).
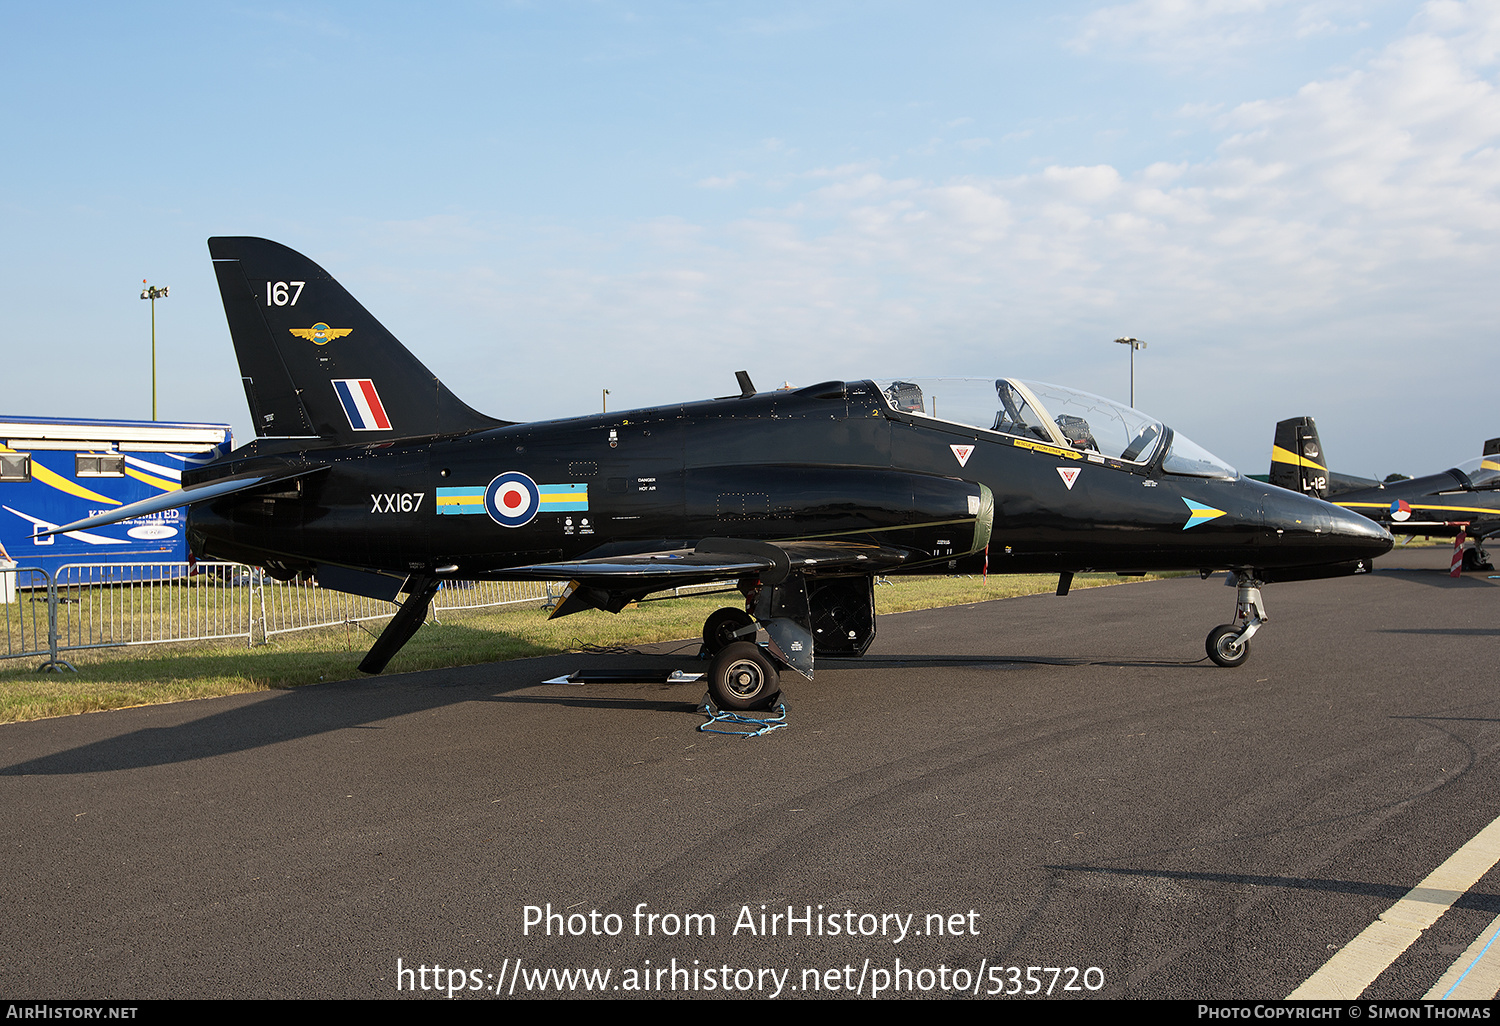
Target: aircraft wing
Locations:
point(673, 568)
point(611, 583)
point(716, 558)
point(185, 497)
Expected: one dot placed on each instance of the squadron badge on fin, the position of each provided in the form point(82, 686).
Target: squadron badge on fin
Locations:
point(320, 334)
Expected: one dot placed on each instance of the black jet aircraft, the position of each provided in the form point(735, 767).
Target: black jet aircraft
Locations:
point(1461, 500)
point(371, 474)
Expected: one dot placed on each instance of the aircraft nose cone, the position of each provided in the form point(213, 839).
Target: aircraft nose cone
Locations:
point(1323, 532)
point(1358, 537)
point(1370, 538)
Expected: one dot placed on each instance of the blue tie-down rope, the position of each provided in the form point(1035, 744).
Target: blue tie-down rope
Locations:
point(766, 722)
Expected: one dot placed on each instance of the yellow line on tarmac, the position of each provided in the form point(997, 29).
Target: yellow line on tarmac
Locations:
point(1355, 966)
point(1476, 974)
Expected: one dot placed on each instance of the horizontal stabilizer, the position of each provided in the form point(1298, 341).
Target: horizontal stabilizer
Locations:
point(359, 582)
point(184, 497)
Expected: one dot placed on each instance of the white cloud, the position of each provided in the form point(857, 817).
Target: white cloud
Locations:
point(1205, 31)
point(1339, 243)
point(728, 181)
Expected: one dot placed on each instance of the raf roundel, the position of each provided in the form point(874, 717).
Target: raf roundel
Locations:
point(512, 499)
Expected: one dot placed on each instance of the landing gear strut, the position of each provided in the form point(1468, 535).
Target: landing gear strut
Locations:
point(1229, 644)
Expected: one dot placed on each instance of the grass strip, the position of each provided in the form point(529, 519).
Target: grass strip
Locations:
point(120, 677)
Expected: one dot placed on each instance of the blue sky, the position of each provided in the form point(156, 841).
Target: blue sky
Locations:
point(1295, 204)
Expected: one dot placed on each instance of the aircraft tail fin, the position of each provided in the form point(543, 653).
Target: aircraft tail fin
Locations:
point(315, 362)
point(1297, 461)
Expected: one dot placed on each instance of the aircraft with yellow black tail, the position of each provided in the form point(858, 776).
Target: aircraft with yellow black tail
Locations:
point(1463, 498)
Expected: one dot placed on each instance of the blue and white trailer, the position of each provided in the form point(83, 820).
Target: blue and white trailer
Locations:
point(56, 470)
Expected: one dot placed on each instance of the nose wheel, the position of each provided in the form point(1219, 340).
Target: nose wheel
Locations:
point(1225, 647)
point(1229, 644)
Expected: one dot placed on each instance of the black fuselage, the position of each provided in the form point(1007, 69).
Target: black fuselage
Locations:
point(832, 461)
point(1435, 504)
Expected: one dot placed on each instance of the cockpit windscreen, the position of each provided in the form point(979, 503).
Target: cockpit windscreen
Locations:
point(1059, 416)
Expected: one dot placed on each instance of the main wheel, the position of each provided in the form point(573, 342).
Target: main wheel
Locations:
point(1472, 560)
point(1225, 648)
point(720, 627)
point(743, 677)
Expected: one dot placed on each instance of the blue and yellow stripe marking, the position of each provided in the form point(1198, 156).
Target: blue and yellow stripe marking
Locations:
point(555, 498)
point(564, 498)
point(1200, 514)
point(455, 501)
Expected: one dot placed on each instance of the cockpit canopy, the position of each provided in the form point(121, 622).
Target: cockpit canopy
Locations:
point(1483, 472)
point(1064, 417)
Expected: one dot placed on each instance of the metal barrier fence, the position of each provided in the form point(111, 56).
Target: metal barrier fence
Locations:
point(91, 605)
point(28, 613)
point(88, 605)
point(299, 606)
point(286, 606)
point(481, 594)
point(163, 602)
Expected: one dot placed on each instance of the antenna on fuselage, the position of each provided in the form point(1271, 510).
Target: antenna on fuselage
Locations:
point(746, 388)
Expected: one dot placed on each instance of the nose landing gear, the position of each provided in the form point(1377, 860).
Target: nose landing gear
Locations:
point(1229, 644)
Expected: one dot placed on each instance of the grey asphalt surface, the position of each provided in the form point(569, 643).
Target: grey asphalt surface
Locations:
point(1071, 771)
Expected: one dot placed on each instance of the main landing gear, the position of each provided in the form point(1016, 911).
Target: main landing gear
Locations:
point(1476, 558)
point(1229, 644)
point(726, 626)
point(834, 614)
point(742, 676)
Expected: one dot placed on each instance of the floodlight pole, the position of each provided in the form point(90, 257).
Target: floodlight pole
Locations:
point(153, 293)
point(1134, 344)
